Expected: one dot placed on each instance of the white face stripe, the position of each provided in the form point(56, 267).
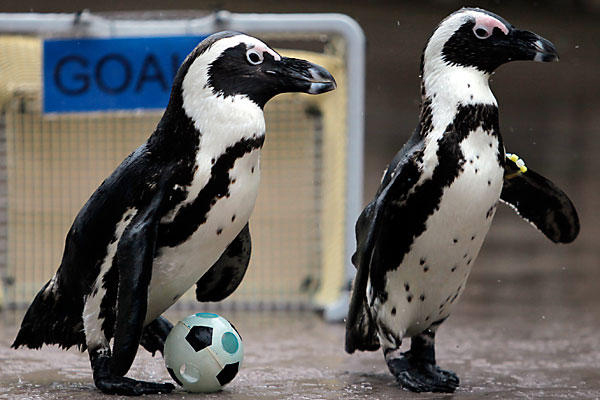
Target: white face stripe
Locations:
point(198, 97)
point(195, 87)
point(218, 47)
point(435, 45)
point(453, 22)
point(452, 84)
point(448, 86)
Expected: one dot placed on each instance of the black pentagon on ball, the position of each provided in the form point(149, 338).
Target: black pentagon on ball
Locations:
point(199, 337)
point(228, 373)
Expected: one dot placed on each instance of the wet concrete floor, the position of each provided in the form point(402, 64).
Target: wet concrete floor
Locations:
point(509, 338)
point(528, 326)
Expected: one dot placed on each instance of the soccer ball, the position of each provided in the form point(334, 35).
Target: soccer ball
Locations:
point(203, 352)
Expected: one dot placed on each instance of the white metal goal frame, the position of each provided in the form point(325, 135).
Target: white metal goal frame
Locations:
point(89, 25)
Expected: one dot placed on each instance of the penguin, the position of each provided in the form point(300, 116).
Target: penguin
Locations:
point(419, 236)
point(173, 214)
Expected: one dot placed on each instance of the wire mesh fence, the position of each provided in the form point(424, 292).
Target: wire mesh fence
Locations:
point(54, 162)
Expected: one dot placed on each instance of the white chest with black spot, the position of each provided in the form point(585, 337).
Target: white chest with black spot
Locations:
point(178, 268)
point(433, 274)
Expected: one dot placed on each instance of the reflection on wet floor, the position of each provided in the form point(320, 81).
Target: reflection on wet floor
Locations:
point(527, 327)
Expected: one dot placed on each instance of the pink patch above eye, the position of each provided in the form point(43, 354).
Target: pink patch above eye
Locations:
point(490, 23)
point(264, 49)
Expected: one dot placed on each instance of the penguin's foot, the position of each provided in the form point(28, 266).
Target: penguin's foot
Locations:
point(130, 387)
point(154, 335)
point(418, 375)
point(111, 383)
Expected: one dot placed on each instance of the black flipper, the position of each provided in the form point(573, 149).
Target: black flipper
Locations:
point(360, 327)
point(540, 202)
point(155, 334)
point(227, 273)
point(361, 330)
point(416, 369)
point(133, 259)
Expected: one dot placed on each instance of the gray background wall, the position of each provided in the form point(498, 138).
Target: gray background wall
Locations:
point(549, 113)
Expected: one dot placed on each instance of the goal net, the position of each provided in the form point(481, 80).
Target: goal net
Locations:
point(53, 161)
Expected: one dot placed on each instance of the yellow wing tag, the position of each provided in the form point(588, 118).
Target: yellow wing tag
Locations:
point(518, 162)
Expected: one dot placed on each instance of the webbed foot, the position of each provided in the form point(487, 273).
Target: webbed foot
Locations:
point(418, 375)
point(111, 383)
point(130, 387)
point(154, 335)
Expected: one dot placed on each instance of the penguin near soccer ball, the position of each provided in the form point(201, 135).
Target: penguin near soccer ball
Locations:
point(173, 214)
point(203, 352)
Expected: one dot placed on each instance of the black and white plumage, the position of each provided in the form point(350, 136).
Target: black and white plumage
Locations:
point(174, 213)
point(418, 238)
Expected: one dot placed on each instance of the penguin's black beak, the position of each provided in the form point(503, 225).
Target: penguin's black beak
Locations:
point(296, 75)
point(530, 46)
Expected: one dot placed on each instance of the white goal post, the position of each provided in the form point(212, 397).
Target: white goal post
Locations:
point(343, 34)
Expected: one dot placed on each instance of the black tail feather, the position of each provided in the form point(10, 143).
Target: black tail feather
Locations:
point(363, 334)
point(51, 319)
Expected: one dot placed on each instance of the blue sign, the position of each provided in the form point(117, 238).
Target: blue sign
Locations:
point(112, 74)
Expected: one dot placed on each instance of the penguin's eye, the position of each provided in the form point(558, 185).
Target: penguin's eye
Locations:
point(254, 57)
point(482, 32)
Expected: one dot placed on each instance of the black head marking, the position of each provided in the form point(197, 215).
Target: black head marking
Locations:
point(235, 71)
point(207, 43)
point(259, 73)
point(465, 48)
point(231, 74)
point(175, 105)
point(486, 41)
